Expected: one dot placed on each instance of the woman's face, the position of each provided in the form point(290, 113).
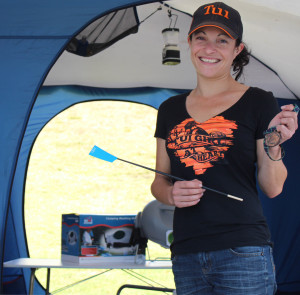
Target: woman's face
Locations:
point(212, 52)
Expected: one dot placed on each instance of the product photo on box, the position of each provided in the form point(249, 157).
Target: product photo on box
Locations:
point(90, 238)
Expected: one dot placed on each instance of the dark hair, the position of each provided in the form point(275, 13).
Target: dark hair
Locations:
point(240, 61)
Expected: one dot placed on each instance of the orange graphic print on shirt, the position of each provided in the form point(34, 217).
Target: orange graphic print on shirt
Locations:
point(199, 145)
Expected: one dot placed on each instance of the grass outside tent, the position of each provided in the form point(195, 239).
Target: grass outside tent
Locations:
point(63, 178)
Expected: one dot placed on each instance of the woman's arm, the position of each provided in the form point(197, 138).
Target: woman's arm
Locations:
point(272, 174)
point(182, 193)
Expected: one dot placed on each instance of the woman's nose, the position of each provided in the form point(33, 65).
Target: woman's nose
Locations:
point(210, 46)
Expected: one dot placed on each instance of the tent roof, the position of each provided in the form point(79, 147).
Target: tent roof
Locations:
point(270, 27)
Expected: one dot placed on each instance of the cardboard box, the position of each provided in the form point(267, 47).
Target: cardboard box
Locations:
point(91, 238)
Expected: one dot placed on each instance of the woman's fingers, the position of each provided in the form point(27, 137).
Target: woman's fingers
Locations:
point(187, 193)
point(288, 122)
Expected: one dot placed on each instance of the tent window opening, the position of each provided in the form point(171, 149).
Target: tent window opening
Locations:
point(104, 32)
point(63, 178)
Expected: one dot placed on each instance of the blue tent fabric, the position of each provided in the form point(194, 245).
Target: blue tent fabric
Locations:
point(282, 214)
point(17, 97)
point(33, 34)
point(50, 102)
point(14, 280)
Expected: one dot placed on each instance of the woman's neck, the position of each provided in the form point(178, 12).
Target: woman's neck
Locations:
point(212, 87)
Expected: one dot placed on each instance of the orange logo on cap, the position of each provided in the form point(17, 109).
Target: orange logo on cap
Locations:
point(212, 9)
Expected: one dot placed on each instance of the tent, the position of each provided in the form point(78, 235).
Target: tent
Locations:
point(35, 35)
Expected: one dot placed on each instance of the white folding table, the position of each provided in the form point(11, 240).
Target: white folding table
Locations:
point(35, 263)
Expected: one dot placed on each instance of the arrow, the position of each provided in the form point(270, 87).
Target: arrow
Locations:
point(103, 155)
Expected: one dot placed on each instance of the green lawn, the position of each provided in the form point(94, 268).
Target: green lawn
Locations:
point(63, 178)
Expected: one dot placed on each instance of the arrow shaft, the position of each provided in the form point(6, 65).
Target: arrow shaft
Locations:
point(181, 179)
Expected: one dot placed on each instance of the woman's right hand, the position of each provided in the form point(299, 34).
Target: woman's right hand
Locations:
point(187, 193)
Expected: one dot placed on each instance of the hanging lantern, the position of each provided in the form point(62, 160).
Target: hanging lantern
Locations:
point(171, 52)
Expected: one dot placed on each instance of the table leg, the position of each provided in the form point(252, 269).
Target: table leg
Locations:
point(31, 281)
point(48, 281)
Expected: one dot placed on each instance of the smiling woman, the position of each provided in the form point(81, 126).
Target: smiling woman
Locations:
point(213, 51)
point(65, 179)
point(222, 41)
point(214, 239)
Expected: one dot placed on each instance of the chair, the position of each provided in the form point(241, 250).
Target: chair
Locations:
point(154, 223)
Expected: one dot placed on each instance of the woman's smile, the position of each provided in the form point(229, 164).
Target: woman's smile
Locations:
point(209, 60)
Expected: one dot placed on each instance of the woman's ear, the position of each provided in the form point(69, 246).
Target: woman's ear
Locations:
point(239, 49)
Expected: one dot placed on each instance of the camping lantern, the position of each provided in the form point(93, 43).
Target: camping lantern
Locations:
point(171, 52)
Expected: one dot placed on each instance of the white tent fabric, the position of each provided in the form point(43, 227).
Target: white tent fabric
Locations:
point(270, 31)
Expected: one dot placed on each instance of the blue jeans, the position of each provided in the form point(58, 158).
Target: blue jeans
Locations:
point(236, 271)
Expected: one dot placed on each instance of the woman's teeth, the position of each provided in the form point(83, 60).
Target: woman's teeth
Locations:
point(209, 60)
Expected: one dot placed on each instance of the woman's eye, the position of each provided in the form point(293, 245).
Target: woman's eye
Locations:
point(223, 41)
point(201, 38)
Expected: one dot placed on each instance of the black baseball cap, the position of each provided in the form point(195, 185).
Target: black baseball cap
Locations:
point(219, 15)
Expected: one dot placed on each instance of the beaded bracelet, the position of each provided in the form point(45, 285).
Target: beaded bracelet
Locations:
point(271, 139)
point(266, 148)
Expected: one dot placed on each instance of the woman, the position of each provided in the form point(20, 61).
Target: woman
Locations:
point(215, 135)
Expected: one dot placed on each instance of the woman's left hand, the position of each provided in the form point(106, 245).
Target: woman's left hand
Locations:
point(286, 122)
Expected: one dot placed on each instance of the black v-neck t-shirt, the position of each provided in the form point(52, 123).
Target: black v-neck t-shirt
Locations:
point(221, 152)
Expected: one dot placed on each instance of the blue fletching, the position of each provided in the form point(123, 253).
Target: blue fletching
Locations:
point(101, 154)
